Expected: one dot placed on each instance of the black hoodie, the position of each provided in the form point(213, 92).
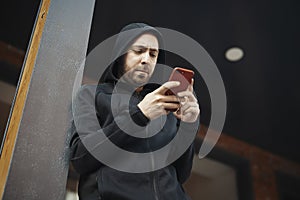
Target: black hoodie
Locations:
point(98, 181)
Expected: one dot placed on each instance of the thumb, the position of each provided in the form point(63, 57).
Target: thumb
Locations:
point(166, 86)
point(190, 87)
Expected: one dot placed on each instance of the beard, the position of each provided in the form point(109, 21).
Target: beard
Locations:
point(137, 76)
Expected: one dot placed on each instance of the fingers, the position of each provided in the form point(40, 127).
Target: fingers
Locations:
point(169, 98)
point(190, 109)
point(189, 104)
point(188, 112)
point(189, 94)
point(177, 114)
point(190, 87)
point(170, 106)
point(168, 85)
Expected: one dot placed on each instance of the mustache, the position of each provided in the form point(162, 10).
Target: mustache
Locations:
point(143, 68)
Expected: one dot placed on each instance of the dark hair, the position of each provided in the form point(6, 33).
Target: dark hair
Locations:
point(119, 68)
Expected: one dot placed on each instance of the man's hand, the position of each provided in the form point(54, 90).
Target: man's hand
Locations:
point(157, 103)
point(189, 109)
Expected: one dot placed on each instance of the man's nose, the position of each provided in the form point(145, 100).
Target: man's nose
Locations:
point(145, 58)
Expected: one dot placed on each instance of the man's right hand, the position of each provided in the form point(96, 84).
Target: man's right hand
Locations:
point(157, 103)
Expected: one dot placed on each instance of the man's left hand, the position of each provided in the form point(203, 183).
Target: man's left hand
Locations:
point(189, 110)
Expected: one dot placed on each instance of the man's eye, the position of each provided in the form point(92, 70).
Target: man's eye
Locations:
point(138, 51)
point(154, 55)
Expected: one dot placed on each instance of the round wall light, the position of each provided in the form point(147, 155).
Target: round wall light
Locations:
point(234, 54)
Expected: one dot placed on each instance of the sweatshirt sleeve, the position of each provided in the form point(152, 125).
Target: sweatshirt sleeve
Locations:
point(82, 160)
point(87, 129)
point(127, 121)
point(184, 163)
point(84, 126)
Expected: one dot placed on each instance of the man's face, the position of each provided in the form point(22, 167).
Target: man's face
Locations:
point(140, 60)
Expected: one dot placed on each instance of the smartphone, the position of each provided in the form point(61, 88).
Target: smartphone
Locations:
point(184, 76)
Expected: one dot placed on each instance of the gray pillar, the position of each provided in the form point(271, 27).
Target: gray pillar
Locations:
point(39, 164)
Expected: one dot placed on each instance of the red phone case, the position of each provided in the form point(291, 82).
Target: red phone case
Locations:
point(184, 76)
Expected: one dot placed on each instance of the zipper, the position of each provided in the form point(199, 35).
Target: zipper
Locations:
point(155, 186)
point(99, 181)
point(153, 173)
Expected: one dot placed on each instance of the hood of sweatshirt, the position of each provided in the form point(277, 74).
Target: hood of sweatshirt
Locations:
point(125, 39)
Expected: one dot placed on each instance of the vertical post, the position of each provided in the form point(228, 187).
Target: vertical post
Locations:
point(264, 179)
point(34, 161)
point(20, 97)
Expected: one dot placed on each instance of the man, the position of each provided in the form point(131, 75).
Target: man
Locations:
point(136, 55)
